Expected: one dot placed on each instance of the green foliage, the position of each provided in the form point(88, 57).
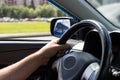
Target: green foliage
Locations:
point(31, 13)
point(46, 11)
point(26, 12)
point(5, 10)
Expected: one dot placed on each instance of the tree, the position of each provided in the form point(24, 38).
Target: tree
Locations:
point(25, 4)
point(32, 5)
point(4, 9)
point(47, 11)
point(1, 11)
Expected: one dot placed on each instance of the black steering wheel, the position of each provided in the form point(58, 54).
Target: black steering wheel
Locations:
point(82, 65)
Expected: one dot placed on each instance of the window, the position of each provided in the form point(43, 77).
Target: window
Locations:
point(109, 9)
point(24, 19)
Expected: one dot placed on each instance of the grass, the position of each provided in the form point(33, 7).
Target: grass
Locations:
point(24, 27)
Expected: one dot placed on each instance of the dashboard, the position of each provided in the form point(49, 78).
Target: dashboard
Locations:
point(115, 37)
point(90, 42)
point(93, 46)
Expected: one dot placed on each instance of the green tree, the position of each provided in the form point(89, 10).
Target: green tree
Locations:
point(4, 8)
point(24, 12)
point(46, 11)
point(31, 13)
point(15, 12)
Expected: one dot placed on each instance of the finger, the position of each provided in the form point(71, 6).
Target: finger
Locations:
point(62, 51)
point(59, 53)
point(65, 47)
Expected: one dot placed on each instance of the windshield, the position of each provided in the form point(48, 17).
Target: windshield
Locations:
point(109, 9)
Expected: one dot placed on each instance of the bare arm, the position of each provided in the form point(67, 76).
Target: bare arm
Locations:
point(25, 67)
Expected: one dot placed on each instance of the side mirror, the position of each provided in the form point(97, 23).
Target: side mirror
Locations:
point(59, 26)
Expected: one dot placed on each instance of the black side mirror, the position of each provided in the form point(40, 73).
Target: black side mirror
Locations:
point(59, 26)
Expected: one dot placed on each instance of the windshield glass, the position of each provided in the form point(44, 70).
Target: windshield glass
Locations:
point(109, 9)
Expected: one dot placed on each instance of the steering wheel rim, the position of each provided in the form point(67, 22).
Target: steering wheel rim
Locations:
point(105, 42)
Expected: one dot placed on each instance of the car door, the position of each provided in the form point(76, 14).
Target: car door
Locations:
point(14, 49)
point(21, 31)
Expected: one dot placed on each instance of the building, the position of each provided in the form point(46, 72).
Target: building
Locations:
point(19, 2)
point(36, 2)
point(1, 2)
point(23, 2)
point(10, 2)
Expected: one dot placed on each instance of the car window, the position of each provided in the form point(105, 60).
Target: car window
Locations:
point(109, 9)
point(26, 17)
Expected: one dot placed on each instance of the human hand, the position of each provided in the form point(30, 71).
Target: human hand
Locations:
point(51, 49)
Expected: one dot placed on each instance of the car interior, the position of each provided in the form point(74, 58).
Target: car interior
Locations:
point(95, 42)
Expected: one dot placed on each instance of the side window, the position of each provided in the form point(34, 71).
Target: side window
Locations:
point(26, 17)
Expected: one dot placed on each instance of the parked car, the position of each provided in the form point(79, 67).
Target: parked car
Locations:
point(94, 37)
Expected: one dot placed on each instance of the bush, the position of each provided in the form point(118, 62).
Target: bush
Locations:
point(45, 11)
point(25, 12)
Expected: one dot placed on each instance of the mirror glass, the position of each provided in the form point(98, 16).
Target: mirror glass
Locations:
point(61, 26)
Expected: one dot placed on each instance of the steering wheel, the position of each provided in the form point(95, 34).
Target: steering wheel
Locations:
point(83, 65)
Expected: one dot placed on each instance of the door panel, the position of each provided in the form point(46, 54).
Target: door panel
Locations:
point(12, 51)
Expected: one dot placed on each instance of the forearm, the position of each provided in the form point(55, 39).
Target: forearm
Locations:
point(22, 69)
point(25, 67)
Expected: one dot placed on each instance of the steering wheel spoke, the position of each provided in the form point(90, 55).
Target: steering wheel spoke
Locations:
point(72, 66)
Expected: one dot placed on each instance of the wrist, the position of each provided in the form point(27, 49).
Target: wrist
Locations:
point(41, 57)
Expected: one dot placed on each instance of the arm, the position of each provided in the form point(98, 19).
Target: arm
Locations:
point(25, 67)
